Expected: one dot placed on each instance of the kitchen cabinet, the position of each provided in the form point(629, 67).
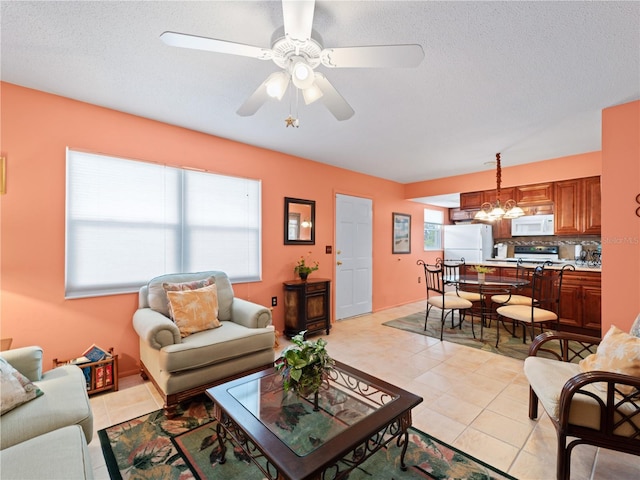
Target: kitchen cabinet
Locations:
point(306, 306)
point(471, 200)
point(581, 303)
point(505, 194)
point(577, 206)
point(592, 213)
point(457, 215)
point(538, 194)
point(502, 229)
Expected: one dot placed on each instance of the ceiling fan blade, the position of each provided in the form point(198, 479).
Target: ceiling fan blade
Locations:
point(298, 18)
point(337, 105)
point(373, 56)
point(255, 101)
point(184, 40)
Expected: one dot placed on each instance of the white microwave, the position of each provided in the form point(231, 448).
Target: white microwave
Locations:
point(532, 225)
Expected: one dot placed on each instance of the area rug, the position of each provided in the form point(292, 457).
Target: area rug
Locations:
point(152, 447)
point(509, 345)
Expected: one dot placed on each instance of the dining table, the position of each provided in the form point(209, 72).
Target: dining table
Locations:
point(486, 286)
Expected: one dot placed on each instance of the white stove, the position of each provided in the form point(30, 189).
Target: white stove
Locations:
point(536, 253)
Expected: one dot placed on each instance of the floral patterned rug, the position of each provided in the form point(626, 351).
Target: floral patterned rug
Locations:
point(152, 447)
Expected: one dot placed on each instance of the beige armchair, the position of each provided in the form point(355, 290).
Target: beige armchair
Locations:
point(599, 408)
point(181, 367)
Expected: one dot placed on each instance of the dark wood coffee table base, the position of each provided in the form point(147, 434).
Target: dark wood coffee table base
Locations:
point(398, 429)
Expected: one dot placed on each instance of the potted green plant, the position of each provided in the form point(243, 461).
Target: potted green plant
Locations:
point(303, 269)
point(304, 366)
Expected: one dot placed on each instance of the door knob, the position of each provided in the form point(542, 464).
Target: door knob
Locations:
point(339, 262)
point(338, 252)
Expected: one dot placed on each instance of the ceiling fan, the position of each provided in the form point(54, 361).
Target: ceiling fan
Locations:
point(298, 54)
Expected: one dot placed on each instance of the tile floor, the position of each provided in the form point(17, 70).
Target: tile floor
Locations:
point(474, 400)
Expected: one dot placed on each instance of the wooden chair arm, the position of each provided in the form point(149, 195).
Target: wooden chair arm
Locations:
point(614, 408)
point(572, 345)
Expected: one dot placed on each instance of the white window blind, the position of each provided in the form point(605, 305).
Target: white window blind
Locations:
point(129, 221)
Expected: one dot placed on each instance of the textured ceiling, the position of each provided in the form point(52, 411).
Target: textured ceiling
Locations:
point(527, 79)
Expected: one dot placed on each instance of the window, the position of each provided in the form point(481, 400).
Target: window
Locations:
point(433, 229)
point(129, 221)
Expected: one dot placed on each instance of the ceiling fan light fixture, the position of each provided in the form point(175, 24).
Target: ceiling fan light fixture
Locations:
point(302, 74)
point(277, 84)
point(311, 94)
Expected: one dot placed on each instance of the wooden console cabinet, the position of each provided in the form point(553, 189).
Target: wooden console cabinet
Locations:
point(306, 306)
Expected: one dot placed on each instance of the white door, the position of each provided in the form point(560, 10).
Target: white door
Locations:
point(354, 232)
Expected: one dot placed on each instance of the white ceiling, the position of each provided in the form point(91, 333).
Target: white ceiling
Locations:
point(527, 79)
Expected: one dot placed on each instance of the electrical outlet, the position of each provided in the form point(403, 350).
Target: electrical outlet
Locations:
point(274, 301)
point(419, 279)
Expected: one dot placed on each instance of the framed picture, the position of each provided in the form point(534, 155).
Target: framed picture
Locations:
point(401, 233)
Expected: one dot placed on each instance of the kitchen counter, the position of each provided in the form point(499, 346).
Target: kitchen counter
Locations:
point(498, 262)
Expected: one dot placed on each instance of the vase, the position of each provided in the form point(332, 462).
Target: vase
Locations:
point(303, 275)
point(481, 277)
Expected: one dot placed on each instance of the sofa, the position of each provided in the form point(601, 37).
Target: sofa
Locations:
point(58, 424)
point(182, 364)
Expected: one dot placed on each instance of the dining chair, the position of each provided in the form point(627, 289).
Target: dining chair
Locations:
point(546, 286)
point(511, 298)
point(435, 283)
point(451, 268)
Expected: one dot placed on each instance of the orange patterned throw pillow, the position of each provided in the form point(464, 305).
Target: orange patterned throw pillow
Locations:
point(618, 352)
point(195, 310)
point(178, 287)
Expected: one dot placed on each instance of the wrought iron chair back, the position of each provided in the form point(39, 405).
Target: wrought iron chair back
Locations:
point(546, 286)
point(433, 277)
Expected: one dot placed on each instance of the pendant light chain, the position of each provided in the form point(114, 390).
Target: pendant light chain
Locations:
point(498, 176)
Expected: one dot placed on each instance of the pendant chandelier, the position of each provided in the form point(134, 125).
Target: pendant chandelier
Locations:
point(491, 212)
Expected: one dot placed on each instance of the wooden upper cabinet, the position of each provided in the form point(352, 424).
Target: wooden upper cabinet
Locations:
point(458, 215)
point(577, 206)
point(471, 200)
point(568, 195)
point(505, 194)
point(592, 199)
point(539, 194)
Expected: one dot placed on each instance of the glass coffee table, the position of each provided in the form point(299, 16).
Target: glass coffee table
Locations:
point(358, 415)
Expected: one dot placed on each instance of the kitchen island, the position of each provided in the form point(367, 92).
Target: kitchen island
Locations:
point(581, 295)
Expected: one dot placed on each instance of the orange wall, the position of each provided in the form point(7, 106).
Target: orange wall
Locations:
point(564, 168)
point(36, 129)
point(620, 225)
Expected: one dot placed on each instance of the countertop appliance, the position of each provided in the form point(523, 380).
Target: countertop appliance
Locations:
point(532, 225)
point(472, 242)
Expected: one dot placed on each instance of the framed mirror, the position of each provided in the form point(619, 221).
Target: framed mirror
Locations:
point(299, 221)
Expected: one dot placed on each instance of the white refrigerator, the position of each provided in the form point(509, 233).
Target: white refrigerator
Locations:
point(472, 242)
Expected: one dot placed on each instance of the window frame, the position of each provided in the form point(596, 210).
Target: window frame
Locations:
point(430, 225)
point(169, 251)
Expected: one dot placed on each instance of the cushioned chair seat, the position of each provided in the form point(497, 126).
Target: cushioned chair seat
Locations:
point(449, 302)
point(215, 346)
point(522, 313)
point(548, 376)
point(512, 300)
point(471, 296)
